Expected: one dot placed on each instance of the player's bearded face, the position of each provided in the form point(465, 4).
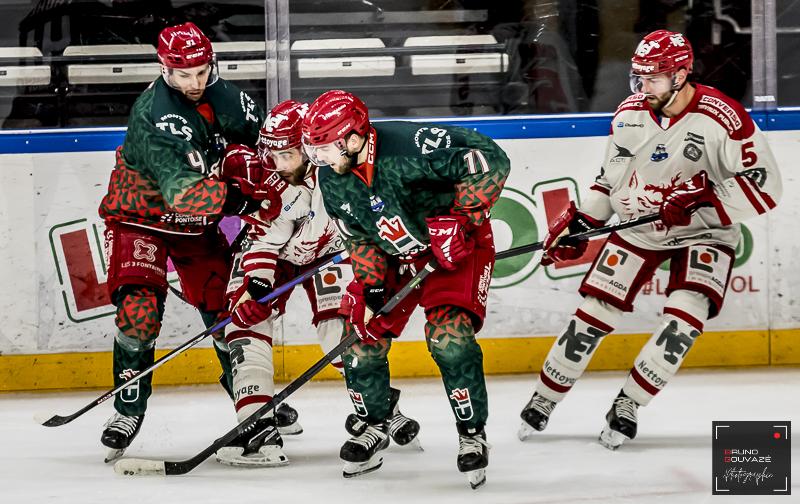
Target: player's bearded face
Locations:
point(334, 154)
point(189, 81)
point(290, 164)
point(658, 88)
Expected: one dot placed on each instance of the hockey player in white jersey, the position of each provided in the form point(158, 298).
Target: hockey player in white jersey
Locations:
point(696, 157)
point(286, 238)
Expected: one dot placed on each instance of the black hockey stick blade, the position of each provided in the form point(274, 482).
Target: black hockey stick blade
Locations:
point(147, 467)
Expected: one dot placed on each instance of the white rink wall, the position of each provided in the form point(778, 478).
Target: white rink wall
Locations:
point(50, 232)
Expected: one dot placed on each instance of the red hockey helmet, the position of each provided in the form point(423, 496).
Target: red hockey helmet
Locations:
point(283, 127)
point(184, 46)
point(662, 51)
point(333, 116)
point(329, 120)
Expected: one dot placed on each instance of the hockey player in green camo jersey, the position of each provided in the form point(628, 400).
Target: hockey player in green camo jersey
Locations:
point(404, 193)
point(163, 203)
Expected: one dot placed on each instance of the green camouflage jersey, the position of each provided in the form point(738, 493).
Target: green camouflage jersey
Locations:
point(172, 144)
point(413, 171)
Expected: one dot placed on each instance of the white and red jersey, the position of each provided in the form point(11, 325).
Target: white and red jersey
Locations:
point(646, 157)
point(301, 234)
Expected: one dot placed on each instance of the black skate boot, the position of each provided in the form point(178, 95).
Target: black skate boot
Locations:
point(620, 422)
point(473, 454)
point(403, 430)
point(361, 453)
point(535, 415)
point(286, 419)
point(354, 425)
point(260, 447)
point(119, 433)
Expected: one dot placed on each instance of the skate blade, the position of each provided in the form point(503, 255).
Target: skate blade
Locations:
point(113, 454)
point(414, 444)
point(353, 469)
point(140, 467)
point(525, 431)
point(291, 430)
point(612, 439)
point(266, 457)
point(476, 478)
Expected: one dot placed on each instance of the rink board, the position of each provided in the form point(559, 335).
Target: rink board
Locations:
point(56, 323)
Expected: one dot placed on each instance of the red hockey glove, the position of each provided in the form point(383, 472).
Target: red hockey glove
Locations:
point(449, 241)
point(246, 310)
point(240, 161)
point(359, 305)
point(569, 222)
point(679, 205)
point(242, 169)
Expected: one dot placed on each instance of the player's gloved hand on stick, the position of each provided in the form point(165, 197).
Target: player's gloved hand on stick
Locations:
point(359, 305)
point(570, 221)
point(449, 241)
point(247, 311)
point(679, 205)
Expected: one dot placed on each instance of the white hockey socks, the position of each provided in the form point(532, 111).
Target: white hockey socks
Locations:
point(329, 333)
point(573, 349)
point(685, 313)
point(252, 367)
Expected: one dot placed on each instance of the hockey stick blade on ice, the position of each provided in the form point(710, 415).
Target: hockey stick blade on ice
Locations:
point(58, 420)
point(142, 467)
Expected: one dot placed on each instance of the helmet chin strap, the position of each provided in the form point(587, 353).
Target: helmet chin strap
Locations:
point(354, 157)
point(675, 91)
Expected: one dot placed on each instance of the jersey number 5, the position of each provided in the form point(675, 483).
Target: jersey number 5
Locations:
point(749, 158)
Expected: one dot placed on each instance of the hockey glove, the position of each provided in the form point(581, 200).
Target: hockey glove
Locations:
point(247, 311)
point(679, 205)
point(449, 240)
point(240, 161)
point(359, 304)
point(569, 222)
point(237, 201)
point(242, 169)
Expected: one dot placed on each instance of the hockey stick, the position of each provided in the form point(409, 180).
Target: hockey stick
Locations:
point(585, 235)
point(58, 420)
point(134, 466)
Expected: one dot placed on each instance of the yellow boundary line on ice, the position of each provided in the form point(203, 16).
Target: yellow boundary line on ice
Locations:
point(407, 359)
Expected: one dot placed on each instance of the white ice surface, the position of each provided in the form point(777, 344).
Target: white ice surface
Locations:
point(670, 461)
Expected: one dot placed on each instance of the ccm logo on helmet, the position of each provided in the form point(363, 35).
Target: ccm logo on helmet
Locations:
point(347, 127)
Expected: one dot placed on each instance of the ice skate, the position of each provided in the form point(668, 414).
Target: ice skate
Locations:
point(361, 453)
point(286, 418)
point(620, 422)
point(262, 447)
point(473, 455)
point(535, 415)
point(119, 433)
point(402, 429)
